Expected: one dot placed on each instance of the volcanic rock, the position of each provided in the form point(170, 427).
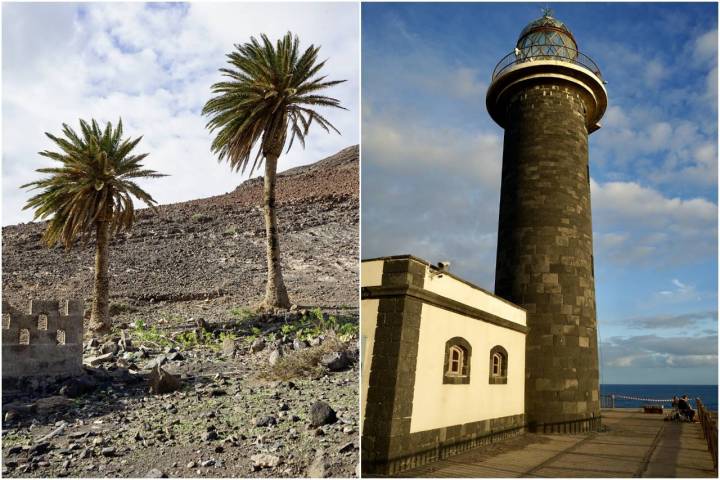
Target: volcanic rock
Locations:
point(321, 414)
point(162, 382)
point(275, 357)
point(264, 460)
point(228, 347)
point(266, 421)
point(335, 361)
point(318, 467)
point(257, 345)
point(95, 361)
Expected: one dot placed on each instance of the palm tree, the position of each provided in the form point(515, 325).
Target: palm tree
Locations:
point(269, 93)
point(91, 192)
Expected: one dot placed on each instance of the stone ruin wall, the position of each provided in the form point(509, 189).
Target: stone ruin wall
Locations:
point(45, 341)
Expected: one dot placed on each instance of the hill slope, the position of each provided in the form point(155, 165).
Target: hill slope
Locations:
point(212, 248)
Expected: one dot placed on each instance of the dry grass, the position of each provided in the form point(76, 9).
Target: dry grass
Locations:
point(305, 362)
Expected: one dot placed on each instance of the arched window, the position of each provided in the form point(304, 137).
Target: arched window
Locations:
point(457, 361)
point(498, 365)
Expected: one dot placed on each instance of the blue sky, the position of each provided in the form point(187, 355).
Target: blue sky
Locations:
point(431, 162)
point(152, 65)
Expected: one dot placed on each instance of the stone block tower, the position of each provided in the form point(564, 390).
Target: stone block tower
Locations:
point(549, 97)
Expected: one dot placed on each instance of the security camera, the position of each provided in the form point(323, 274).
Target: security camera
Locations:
point(444, 265)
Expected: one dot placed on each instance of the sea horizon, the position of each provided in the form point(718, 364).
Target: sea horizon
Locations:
point(667, 384)
point(708, 393)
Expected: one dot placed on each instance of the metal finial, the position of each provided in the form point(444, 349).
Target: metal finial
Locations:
point(547, 12)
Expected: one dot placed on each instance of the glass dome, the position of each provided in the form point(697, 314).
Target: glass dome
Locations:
point(546, 37)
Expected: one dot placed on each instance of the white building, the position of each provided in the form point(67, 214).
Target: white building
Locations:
point(443, 365)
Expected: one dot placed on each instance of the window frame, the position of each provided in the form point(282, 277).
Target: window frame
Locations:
point(498, 351)
point(461, 374)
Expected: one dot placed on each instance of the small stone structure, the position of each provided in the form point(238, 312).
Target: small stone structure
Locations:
point(443, 365)
point(45, 342)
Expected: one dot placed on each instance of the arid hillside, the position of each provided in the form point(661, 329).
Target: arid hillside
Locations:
point(212, 247)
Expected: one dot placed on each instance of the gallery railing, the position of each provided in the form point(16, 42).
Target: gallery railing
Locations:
point(607, 401)
point(546, 52)
point(710, 430)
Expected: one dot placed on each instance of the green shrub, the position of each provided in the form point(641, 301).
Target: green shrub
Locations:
point(242, 313)
point(315, 323)
point(152, 334)
point(201, 217)
point(231, 230)
point(186, 340)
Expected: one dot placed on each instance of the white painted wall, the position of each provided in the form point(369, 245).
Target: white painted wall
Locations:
point(451, 288)
point(368, 322)
point(371, 273)
point(437, 405)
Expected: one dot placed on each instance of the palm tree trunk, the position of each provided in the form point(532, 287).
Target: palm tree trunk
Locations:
point(100, 313)
point(275, 292)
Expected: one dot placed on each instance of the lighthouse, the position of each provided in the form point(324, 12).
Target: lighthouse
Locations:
point(548, 97)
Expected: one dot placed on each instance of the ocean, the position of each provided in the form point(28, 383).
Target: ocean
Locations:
point(707, 393)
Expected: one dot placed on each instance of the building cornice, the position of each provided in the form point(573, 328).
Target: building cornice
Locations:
point(431, 298)
point(518, 76)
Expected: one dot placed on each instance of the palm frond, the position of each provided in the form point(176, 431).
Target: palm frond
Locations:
point(265, 98)
point(93, 184)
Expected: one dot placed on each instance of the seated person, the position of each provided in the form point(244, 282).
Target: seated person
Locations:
point(685, 409)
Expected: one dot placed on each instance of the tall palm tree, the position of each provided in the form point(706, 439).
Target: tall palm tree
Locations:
point(91, 193)
point(269, 93)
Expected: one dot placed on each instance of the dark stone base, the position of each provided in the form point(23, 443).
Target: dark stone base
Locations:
point(452, 445)
point(567, 427)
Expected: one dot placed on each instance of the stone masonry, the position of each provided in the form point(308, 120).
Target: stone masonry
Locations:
point(45, 341)
point(392, 372)
point(545, 253)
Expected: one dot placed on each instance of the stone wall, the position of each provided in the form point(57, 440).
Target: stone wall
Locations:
point(45, 341)
point(545, 252)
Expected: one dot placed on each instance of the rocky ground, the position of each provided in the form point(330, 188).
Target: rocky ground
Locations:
point(241, 395)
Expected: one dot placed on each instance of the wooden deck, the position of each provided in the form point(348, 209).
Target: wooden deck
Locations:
point(633, 444)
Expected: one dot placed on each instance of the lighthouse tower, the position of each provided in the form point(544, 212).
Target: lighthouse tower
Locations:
point(549, 97)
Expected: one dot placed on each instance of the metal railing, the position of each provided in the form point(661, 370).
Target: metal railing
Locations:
point(607, 401)
point(709, 428)
point(563, 54)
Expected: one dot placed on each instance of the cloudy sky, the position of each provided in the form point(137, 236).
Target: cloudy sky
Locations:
point(152, 65)
point(432, 159)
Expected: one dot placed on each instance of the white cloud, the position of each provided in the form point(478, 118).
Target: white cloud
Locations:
point(684, 321)
point(615, 118)
point(654, 72)
point(706, 46)
point(632, 201)
point(655, 351)
point(153, 64)
point(711, 86)
point(659, 116)
point(434, 193)
point(637, 224)
point(398, 144)
point(681, 293)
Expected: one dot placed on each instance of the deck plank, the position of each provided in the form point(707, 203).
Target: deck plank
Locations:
point(632, 444)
